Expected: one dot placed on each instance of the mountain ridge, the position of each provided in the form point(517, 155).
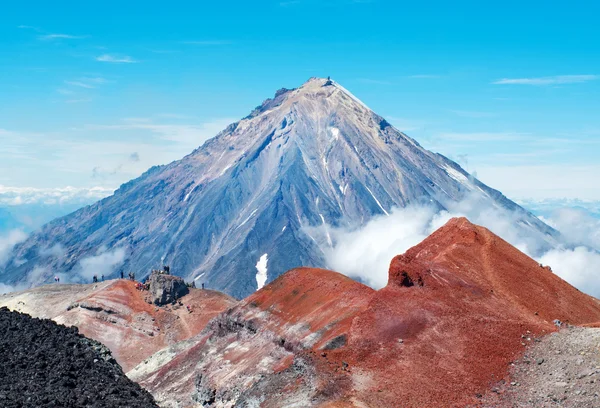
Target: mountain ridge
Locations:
point(310, 156)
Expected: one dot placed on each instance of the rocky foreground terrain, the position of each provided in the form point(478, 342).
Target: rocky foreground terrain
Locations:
point(466, 320)
point(560, 370)
point(44, 364)
point(120, 316)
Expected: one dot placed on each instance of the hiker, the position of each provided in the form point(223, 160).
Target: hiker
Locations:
point(95, 279)
point(202, 285)
point(102, 277)
point(121, 274)
point(189, 308)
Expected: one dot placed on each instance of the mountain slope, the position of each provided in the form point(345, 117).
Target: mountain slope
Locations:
point(457, 310)
point(310, 156)
point(117, 315)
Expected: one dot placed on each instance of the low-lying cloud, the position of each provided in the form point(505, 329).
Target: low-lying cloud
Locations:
point(365, 253)
point(103, 263)
point(8, 241)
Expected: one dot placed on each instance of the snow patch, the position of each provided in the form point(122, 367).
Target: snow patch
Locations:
point(347, 92)
point(248, 219)
point(377, 201)
point(456, 175)
point(335, 132)
point(283, 229)
point(261, 267)
point(329, 241)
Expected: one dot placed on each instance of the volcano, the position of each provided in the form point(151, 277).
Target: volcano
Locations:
point(234, 213)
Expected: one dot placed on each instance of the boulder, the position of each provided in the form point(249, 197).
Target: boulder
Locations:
point(165, 289)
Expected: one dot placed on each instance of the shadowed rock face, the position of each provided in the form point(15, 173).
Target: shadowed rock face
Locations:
point(309, 156)
point(165, 289)
point(48, 365)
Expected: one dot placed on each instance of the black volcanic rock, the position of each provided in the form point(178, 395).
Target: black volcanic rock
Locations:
point(43, 364)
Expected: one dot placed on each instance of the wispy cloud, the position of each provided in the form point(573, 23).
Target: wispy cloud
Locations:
point(80, 84)
point(116, 59)
point(49, 37)
point(208, 42)
point(548, 80)
point(13, 196)
point(87, 82)
point(28, 27)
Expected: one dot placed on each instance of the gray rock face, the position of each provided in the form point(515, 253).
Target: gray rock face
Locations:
point(307, 157)
point(165, 289)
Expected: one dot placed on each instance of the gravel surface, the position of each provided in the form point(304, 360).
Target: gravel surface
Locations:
point(43, 364)
point(562, 370)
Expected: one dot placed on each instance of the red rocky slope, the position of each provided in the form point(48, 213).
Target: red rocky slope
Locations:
point(457, 309)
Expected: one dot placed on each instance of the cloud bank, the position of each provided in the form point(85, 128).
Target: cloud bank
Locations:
point(103, 263)
point(365, 253)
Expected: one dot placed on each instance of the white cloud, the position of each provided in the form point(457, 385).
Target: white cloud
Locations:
point(79, 84)
point(54, 251)
point(48, 37)
point(14, 196)
point(543, 180)
point(116, 59)
point(580, 267)
point(8, 241)
point(577, 226)
point(103, 263)
point(365, 253)
point(549, 80)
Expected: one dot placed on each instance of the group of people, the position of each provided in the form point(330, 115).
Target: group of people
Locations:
point(95, 278)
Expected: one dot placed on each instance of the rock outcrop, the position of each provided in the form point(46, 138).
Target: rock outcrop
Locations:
point(165, 289)
point(44, 364)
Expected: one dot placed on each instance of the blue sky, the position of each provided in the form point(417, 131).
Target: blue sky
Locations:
point(94, 93)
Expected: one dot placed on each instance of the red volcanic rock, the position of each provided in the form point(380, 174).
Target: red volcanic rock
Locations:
point(118, 315)
point(458, 308)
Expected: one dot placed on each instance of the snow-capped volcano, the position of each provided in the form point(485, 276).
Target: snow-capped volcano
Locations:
point(310, 156)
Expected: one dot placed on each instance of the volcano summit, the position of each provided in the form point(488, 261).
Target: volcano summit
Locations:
point(233, 213)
